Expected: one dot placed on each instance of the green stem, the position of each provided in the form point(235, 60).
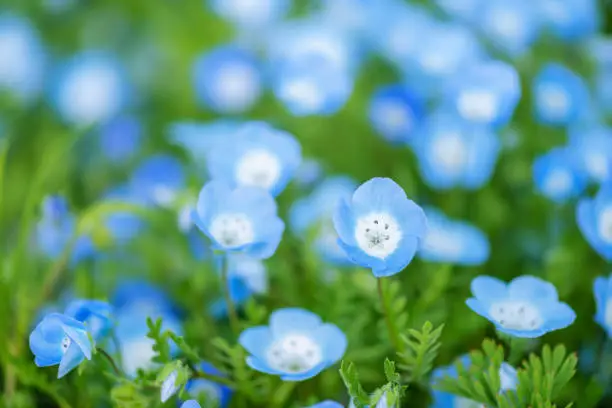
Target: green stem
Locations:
point(231, 309)
point(393, 333)
point(111, 361)
point(517, 350)
point(282, 393)
point(210, 377)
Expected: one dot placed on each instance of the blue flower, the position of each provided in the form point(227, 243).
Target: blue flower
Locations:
point(296, 346)
point(570, 20)
point(602, 289)
point(96, 314)
point(309, 172)
point(22, 66)
point(120, 138)
point(257, 155)
point(561, 96)
point(158, 180)
point(227, 80)
point(395, 112)
point(558, 176)
point(380, 228)
point(143, 296)
point(450, 241)
point(526, 307)
point(59, 339)
point(197, 244)
point(213, 391)
point(486, 93)
point(250, 14)
point(453, 153)
point(169, 387)
point(593, 148)
point(191, 404)
point(327, 404)
point(239, 220)
point(594, 217)
point(91, 88)
point(312, 85)
point(124, 226)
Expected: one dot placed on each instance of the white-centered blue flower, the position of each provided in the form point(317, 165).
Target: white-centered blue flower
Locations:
point(526, 307)
point(213, 392)
point(396, 112)
point(91, 88)
point(570, 20)
point(251, 14)
point(120, 138)
point(560, 96)
point(594, 217)
point(227, 80)
point(454, 153)
point(296, 345)
point(557, 175)
point(380, 228)
point(96, 314)
point(257, 155)
point(451, 241)
point(602, 289)
point(239, 220)
point(593, 149)
point(159, 179)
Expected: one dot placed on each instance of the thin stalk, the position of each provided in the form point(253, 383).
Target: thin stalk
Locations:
point(393, 333)
point(231, 309)
point(111, 361)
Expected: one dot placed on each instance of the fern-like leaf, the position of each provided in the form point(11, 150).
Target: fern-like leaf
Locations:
point(160, 339)
point(421, 349)
point(349, 375)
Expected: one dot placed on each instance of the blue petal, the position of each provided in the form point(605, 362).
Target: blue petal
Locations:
point(559, 316)
point(333, 340)
point(256, 340)
point(73, 357)
point(327, 404)
point(400, 259)
point(43, 362)
point(600, 290)
point(259, 365)
point(81, 338)
point(344, 223)
point(305, 375)
point(361, 258)
point(488, 289)
point(532, 288)
point(379, 193)
point(477, 306)
point(211, 197)
point(191, 404)
point(284, 321)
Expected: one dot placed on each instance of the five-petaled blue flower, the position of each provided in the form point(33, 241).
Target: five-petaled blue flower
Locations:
point(380, 228)
point(257, 155)
point(158, 180)
point(602, 289)
point(96, 314)
point(239, 220)
point(296, 345)
point(558, 176)
point(59, 339)
point(396, 112)
point(594, 218)
point(213, 391)
point(526, 307)
point(592, 147)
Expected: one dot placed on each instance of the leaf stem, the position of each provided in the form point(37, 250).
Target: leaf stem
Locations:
point(210, 377)
point(110, 360)
point(393, 333)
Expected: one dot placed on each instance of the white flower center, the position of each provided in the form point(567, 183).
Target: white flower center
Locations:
point(294, 353)
point(163, 195)
point(449, 152)
point(305, 92)
point(478, 105)
point(378, 234)
point(516, 315)
point(441, 242)
point(597, 165)
point(237, 87)
point(394, 117)
point(558, 182)
point(507, 23)
point(605, 224)
point(232, 230)
point(66, 342)
point(554, 99)
point(258, 168)
point(137, 354)
point(608, 313)
point(434, 62)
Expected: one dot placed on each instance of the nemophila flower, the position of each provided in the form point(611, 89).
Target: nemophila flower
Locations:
point(561, 96)
point(197, 244)
point(312, 85)
point(22, 66)
point(450, 241)
point(159, 179)
point(454, 153)
point(55, 231)
point(96, 314)
point(486, 93)
point(296, 345)
point(570, 20)
point(59, 339)
point(240, 220)
point(91, 88)
point(380, 228)
point(191, 404)
point(123, 226)
point(395, 112)
point(557, 175)
point(141, 296)
point(593, 148)
point(257, 155)
point(120, 138)
point(309, 172)
point(594, 217)
point(213, 392)
point(602, 289)
point(351, 16)
point(511, 26)
point(227, 80)
point(327, 404)
point(316, 212)
point(251, 14)
point(526, 307)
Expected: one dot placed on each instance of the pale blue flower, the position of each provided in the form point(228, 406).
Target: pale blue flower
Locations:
point(560, 95)
point(96, 314)
point(250, 14)
point(191, 404)
point(602, 289)
point(557, 175)
point(593, 148)
point(451, 241)
point(257, 155)
point(309, 172)
point(213, 391)
point(526, 307)
point(227, 80)
point(380, 228)
point(327, 404)
point(296, 345)
point(454, 153)
point(124, 226)
point(239, 220)
point(59, 339)
point(570, 20)
point(121, 138)
point(395, 112)
point(169, 387)
point(158, 180)
point(594, 217)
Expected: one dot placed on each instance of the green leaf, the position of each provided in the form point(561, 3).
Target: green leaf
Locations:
point(349, 375)
point(421, 351)
point(161, 345)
